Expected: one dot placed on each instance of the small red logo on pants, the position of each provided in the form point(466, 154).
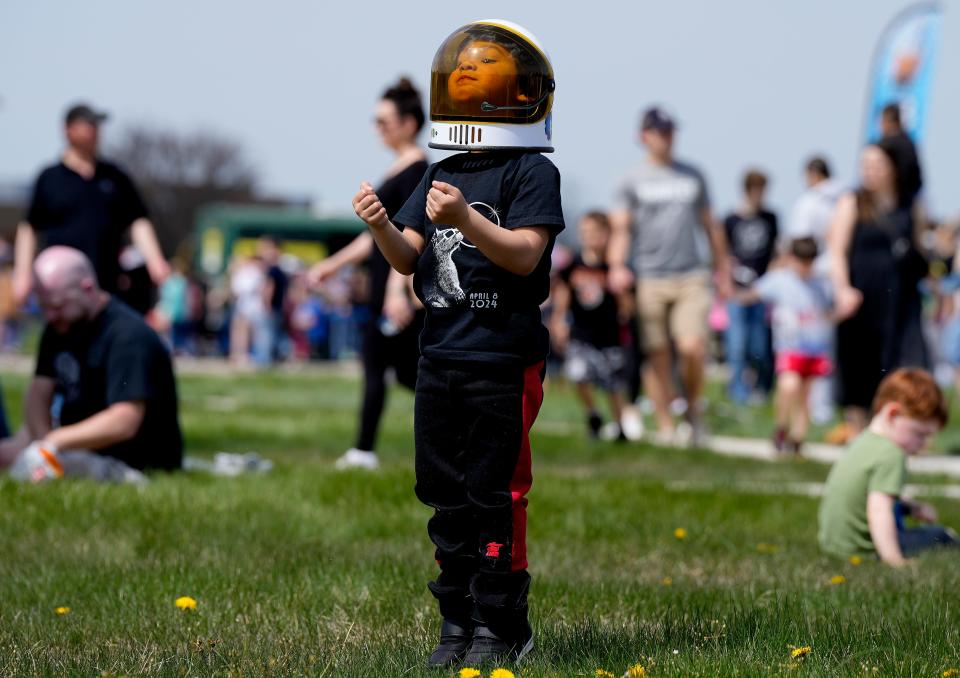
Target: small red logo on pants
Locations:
point(493, 549)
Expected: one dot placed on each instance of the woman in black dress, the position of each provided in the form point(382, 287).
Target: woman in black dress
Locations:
point(391, 337)
point(876, 265)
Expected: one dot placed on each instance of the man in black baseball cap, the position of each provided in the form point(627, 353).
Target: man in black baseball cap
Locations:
point(84, 112)
point(87, 203)
point(655, 118)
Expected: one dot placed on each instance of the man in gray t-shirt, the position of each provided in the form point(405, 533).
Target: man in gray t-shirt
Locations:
point(660, 209)
point(666, 204)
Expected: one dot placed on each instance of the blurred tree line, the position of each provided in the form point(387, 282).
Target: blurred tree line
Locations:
point(178, 173)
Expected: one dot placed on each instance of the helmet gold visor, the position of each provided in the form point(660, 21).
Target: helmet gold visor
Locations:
point(488, 73)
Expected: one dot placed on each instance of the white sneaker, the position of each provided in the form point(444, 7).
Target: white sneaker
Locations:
point(631, 423)
point(679, 407)
point(683, 434)
point(610, 431)
point(690, 434)
point(354, 458)
point(36, 465)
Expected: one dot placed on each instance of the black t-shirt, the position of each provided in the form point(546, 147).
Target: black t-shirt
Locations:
point(909, 175)
point(89, 215)
point(117, 358)
point(752, 243)
point(393, 193)
point(592, 307)
point(476, 310)
point(280, 284)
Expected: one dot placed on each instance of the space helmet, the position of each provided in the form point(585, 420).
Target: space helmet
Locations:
point(491, 88)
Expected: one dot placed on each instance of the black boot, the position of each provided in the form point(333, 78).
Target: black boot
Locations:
point(456, 608)
point(454, 641)
point(491, 646)
point(503, 633)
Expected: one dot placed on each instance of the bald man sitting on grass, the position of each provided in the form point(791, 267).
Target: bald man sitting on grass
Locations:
point(103, 400)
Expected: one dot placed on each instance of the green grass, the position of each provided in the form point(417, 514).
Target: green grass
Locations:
point(306, 571)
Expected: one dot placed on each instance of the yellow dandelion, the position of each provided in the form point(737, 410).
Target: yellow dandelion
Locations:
point(856, 560)
point(950, 672)
point(667, 581)
point(635, 671)
point(469, 673)
point(837, 579)
point(501, 673)
point(680, 533)
point(603, 673)
point(767, 548)
point(62, 610)
point(798, 652)
point(186, 603)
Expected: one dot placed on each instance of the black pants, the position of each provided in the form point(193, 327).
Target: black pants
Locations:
point(473, 467)
point(379, 353)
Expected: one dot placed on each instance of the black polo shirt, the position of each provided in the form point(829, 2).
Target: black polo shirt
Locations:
point(112, 359)
point(90, 215)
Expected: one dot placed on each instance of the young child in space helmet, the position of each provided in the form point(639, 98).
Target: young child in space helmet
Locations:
point(477, 235)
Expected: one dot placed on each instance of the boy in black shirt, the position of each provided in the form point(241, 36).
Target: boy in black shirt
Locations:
point(479, 232)
point(591, 335)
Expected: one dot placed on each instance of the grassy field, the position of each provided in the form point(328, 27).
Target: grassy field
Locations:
point(307, 571)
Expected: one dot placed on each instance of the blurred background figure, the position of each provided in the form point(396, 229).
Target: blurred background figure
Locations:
point(8, 311)
point(390, 338)
point(311, 322)
point(946, 289)
point(249, 317)
point(88, 203)
point(9, 329)
point(877, 265)
point(810, 217)
point(752, 233)
point(275, 298)
point(661, 209)
point(903, 152)
point(175, 310)
point(813, 211)
point(802, 331)
point(110, 373)
point(585, 326)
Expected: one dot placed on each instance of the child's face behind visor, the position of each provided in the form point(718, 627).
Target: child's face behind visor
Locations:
point(485, 72)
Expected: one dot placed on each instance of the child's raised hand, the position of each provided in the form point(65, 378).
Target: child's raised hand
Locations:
point(367, 206)
point(446, 205)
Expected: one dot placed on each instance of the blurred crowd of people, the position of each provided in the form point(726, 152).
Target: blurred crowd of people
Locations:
point(262, 311)
point(815, 311)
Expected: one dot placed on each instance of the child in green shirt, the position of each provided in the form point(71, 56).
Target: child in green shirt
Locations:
point(862, 510)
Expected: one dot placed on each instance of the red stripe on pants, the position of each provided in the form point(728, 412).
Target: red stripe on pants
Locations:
point(523, 473)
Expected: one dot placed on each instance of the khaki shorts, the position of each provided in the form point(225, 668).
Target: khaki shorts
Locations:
point(677, 307)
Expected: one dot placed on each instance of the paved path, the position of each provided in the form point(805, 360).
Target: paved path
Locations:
point(826, 454)
point(803, 489)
